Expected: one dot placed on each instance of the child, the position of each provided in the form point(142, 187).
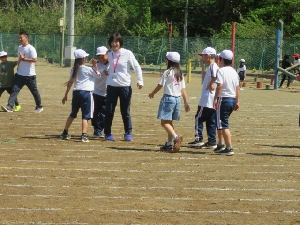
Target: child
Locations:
point(99, 93)
point(296, 61)
point(83, 78)
point(206, 112)
point(226, 100)
point(169, 108)
point(242, 73)
point(7, 76)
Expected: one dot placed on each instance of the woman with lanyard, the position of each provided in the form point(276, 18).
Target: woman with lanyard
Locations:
point(119, 85)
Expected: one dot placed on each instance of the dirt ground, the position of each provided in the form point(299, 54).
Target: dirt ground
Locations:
point(45, 180)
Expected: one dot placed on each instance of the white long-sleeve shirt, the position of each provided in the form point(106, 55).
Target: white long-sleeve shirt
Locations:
point(119, 68)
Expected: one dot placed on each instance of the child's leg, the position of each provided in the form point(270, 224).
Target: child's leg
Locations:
point(84, 126)
point(168, 126)
point(220, 137)
point(227, 137)
point(69, 122)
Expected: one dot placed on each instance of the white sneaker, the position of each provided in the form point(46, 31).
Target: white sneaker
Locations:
point(241, 89)
point(38, 109)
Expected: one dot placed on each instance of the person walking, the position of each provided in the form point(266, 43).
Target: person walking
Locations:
point(99, 93)
point(25, 75)
point(226, 100)
point(82, 77)
point(173, 83)
point(206, 112)
point(242, 73)
point(285, 64)
point(119, 85)
point(7, 75)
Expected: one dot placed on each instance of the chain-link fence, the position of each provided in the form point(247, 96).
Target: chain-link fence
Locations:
point(258, 53)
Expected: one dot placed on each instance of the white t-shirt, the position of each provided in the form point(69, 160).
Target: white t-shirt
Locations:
point(242, 68)
point(229, 78)
point(85, 78)
point(171, 85)
point(27, 68)
point(100, 82)
point(207, 97)
point(119, 68)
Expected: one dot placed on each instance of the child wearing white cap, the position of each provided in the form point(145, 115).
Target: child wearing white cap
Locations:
point(99, 93)
point(83, 79)
point(242, 73)
point(7, 75)
point(173, 83)
point(206, 112)
point(226, 101)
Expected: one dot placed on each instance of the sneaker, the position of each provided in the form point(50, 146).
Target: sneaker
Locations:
point(167, 148)
point(38, 109)
point(98, 134)
point(109, 137)
point(219, 148)
point(195, 143)
point(7, 108)
point(65, 136)
point(241, 89)
point(209, 145)
point(177, 143)
point(128, 137)
point(17, 108)
point(84, 138)
point(226, 151)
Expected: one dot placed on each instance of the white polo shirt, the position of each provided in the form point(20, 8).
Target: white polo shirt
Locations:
point(27, 68)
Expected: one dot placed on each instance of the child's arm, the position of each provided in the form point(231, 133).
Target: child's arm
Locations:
point(158, 87)
point(186, 104)
point(210, 86)
point(65, 98)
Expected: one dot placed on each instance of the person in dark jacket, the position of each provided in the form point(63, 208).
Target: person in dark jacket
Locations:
point(285, 64)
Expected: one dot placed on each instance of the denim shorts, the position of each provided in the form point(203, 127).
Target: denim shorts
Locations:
point(169, 108)
point(224, 109)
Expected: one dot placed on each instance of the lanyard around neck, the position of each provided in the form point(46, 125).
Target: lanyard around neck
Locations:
point(115, 64)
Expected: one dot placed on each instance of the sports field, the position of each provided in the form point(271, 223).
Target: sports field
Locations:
point(44, 180)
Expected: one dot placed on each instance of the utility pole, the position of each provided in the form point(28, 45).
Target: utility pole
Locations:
point(70, 48)
point(62, 29)
point(185, 40)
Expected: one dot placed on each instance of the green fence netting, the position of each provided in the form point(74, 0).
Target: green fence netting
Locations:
point(258, 53)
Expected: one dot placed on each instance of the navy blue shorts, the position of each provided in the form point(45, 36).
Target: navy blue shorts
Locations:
point(242, 75)
point(82, 100)
point(224, 109)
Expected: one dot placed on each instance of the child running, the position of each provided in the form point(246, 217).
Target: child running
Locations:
point(7, 76)
point(169, 107)
point(83, 79)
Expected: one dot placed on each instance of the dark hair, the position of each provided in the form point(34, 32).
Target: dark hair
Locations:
point(286, 56)
point(77, 63)
point(227, 62)
point(116, 36)
point(241, 65)
point(23, 32)
point(177, 72)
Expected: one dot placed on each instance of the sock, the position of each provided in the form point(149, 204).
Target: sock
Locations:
point(175, 137)
point(169, 143)
point(229, 147)
point(220, 143)
point(83, 134)
point(65, 132)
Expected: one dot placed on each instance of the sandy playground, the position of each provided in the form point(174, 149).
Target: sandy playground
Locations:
point(45, 180)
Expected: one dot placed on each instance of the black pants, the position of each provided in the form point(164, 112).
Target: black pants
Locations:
point(18, 84)
point(283, 79)
point(9, 91)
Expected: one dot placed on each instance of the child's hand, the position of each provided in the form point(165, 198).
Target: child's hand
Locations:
point(151, 95)
point(186, 107)
point(93, 61)
point(65, 98)
point(105, 72)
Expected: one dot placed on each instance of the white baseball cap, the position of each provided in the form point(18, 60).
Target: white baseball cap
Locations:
point(208, 51)
point(79, 54)
point(3, 53)
point(226, 54)
point(242, 60)
point(101, 50)
point(173, 56)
